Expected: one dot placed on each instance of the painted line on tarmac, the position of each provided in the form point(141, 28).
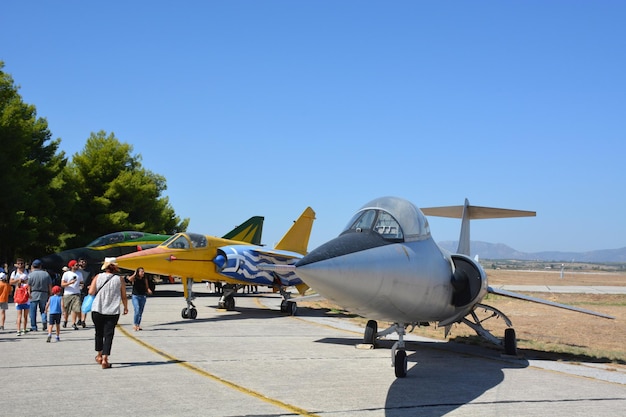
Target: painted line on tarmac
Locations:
point(232, 385)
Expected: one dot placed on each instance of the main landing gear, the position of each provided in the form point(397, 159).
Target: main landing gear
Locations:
point(227, 300)
point(509, 343)
point(287, 306)
point(398, 352)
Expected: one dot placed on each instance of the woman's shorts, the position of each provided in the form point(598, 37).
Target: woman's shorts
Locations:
point(22, 306)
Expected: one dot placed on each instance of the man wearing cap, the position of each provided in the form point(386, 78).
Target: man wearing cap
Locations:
point(40, 288)
point(71, 283)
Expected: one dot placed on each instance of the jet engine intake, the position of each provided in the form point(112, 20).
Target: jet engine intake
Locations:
point(469, 280)
point(228, 260)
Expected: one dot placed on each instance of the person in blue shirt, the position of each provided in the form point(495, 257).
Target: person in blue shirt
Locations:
point(54, 309)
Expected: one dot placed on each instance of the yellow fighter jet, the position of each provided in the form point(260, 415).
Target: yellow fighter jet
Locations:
point(232, 260)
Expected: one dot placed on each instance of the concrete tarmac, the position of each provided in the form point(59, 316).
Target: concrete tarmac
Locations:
point(256, 361)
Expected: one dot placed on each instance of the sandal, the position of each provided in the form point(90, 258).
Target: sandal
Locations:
point(99, 359)
point(106, 365)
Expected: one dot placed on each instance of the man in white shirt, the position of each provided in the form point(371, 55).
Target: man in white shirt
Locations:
point(71, 283)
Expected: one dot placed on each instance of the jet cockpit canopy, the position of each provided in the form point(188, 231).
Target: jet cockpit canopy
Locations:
point(393, 218)
point(186, 241)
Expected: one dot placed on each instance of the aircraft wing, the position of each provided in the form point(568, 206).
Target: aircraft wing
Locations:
point(510, 294)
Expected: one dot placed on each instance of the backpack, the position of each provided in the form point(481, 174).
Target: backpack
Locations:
point(21, 295)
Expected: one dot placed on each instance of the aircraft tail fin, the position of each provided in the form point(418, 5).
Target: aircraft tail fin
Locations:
point(297, 237)
point(250, 231)
point(468, 212)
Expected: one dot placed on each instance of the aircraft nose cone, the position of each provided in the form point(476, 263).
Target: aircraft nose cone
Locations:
point(347, 243)
point(53, 262)
point(220, 261)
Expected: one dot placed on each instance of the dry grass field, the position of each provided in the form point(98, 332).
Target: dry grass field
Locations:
point(544, 331)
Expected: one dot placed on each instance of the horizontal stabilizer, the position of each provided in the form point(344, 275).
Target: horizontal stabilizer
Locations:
point(510, 294)
point(476, 212)
point(468, 212)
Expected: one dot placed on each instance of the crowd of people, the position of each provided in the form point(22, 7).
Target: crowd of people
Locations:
point(58, 301)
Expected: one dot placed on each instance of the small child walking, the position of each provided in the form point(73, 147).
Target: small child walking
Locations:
point(54, 309)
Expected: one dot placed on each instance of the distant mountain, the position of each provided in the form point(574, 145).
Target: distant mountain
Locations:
point(500, 251)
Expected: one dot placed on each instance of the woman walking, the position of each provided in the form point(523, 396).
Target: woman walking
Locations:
point(141, 289)
point(109, 290)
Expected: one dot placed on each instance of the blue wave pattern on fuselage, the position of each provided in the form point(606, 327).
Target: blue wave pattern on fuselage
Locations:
point(243, 264)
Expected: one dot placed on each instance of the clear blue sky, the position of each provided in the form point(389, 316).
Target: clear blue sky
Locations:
point(266, 107)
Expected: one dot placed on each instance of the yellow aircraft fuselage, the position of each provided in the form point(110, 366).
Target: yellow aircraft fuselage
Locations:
point(184, 262)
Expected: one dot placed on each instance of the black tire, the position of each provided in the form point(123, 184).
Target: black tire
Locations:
point(371, 328)
point(510, 342)
point(230, 304)
point(400, 363)
point(185, 313)
point(193, 313)
point(292, 308)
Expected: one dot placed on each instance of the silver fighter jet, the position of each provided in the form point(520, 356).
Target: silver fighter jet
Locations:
point(386, 266)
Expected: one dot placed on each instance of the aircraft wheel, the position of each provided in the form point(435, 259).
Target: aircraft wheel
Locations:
point(193, 313)
point(221, 305)
point(400, 363)
point(291, 308)
point(283, 306)
point(510, 342)
point(230, 304)
point(371, 328)
point(185, 313)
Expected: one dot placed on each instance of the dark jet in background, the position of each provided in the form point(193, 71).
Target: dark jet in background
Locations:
point(114, 244)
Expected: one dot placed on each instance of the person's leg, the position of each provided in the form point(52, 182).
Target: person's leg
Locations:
point(25, 318)
point(109, 332)
point(142, 304)
point(33, 314)
point(65, 310)
point(75, 310)
point(3, 317)
point(98, 321)
point(50, 329)
point(18, 321)
point(136, 312)
point(42, 311)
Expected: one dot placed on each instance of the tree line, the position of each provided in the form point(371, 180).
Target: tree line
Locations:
point(49, 202)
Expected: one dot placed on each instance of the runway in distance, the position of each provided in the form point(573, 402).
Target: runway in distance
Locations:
point(386, 266)
point(232, 260)
point(110, 245)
